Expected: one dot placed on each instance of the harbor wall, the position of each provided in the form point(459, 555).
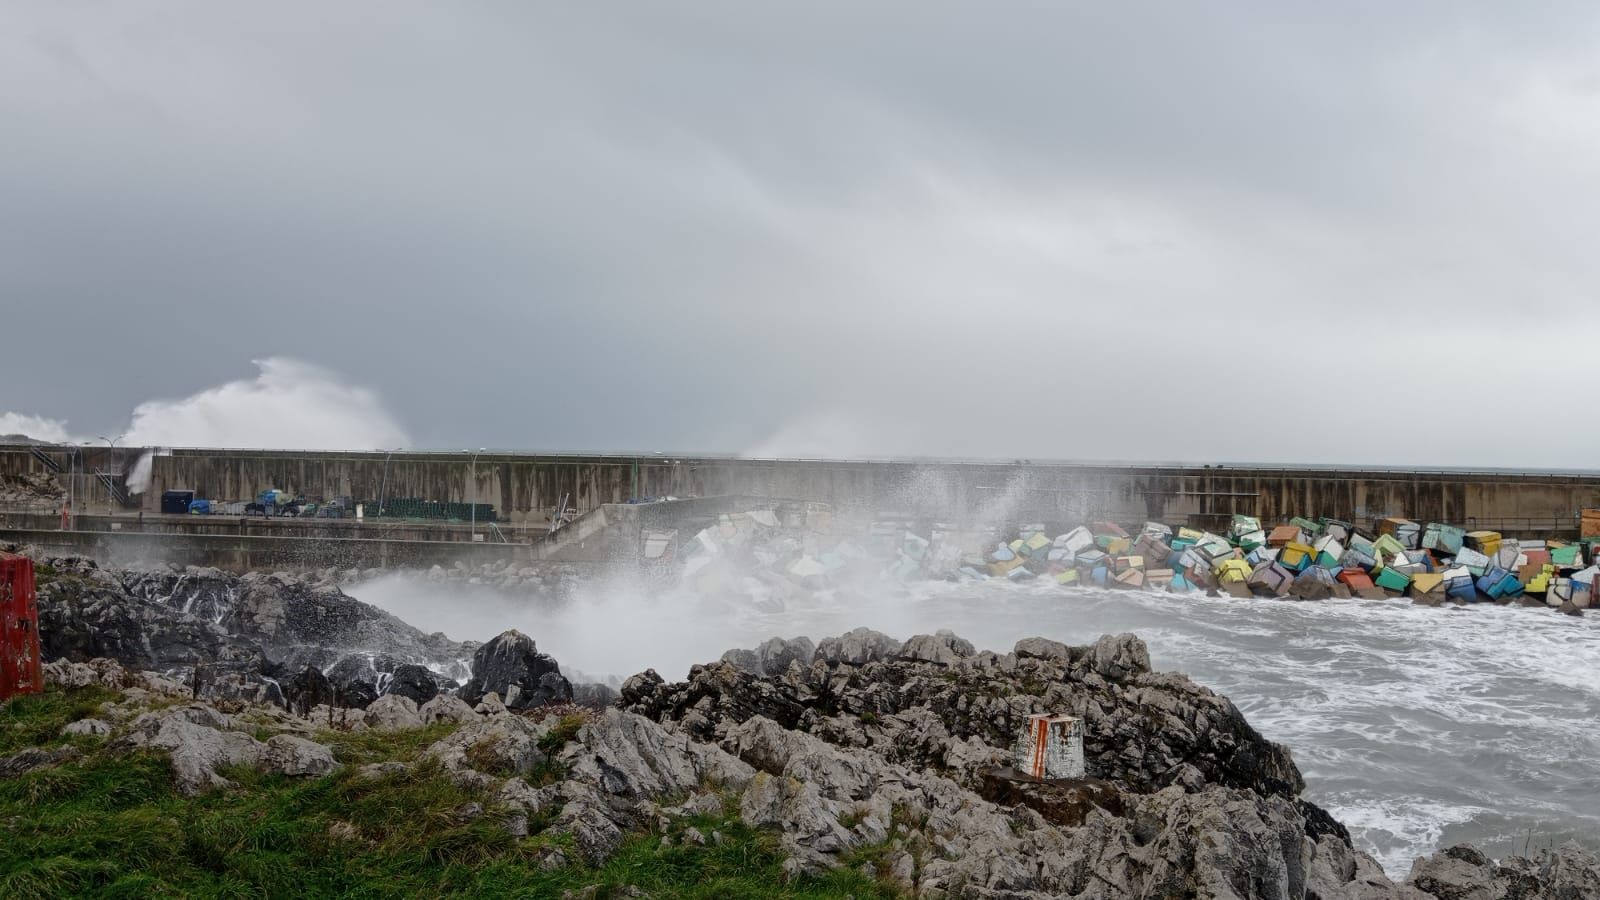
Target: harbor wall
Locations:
point(527, 488)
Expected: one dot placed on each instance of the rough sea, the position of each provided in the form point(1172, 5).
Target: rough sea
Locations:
point(1417, 727)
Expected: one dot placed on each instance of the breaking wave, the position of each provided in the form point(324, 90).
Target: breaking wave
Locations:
point(289, 404)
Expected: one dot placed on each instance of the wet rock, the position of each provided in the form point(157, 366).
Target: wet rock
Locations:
point(308, 689)
point(355, 681)
point(413, 681)
point(1142, 730)
point(1463, 872)
point(512, 666)
point(181, 618)
point(236, 682)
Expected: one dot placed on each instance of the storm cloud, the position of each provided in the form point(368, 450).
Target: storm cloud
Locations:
point(1203, 232)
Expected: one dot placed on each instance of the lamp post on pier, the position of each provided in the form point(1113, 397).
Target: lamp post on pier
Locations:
point(475, 494)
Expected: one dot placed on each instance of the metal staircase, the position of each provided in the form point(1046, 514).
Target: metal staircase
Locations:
point(112, 487)
point(45, 459)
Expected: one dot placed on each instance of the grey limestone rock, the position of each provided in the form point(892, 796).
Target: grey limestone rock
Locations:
point(943, 648)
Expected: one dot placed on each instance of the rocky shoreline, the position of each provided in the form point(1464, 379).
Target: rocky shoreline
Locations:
point(861, 751)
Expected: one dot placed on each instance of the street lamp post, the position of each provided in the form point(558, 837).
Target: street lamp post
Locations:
point(111, 443)
point(383, 481)
point(474, 477)
point(74, 473)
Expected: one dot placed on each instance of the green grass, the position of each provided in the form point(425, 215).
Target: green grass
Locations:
point(36, 720)
point(113, 826)
point(357, 748)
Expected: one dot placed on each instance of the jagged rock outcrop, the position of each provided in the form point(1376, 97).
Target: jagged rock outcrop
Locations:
point(512, 667)
point(774, 656)
point(199, 740)
point(893, 757)
point(504, 745)
point(943, 648)
point(857, 646)
point(30, 759)
point(237, 638)
point(1464, 873)
point(620, 765)
point(1143, 730)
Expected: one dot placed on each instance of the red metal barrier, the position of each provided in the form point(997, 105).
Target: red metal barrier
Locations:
point(19, 628)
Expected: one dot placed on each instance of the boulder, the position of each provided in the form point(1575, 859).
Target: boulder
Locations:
point(1463, 872)
point(413, 681)
point(194, 738)
point(30, 759)
point(502, 746)
point(490, 705)
point(393, 713)
point(857, 646)
point(355, 680)
point(773, 657)
point(943, 648)
point(307, 689)
point(286, 754)
point(102, 672)
point(512, 666)
point(236, 682)
point(593, 695)
point(1043, 648)
point(1119, 656)
point(446, 708)
point(88, 727)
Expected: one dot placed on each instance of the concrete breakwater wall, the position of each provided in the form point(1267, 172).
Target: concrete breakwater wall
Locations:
point(527, 488)
point(235, 553)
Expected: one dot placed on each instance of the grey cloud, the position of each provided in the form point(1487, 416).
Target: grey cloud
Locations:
point(1200, 232)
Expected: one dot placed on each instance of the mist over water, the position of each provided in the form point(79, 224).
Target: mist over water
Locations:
point(1418, 728)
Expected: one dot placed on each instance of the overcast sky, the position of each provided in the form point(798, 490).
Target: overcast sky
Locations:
point(1342, 233)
